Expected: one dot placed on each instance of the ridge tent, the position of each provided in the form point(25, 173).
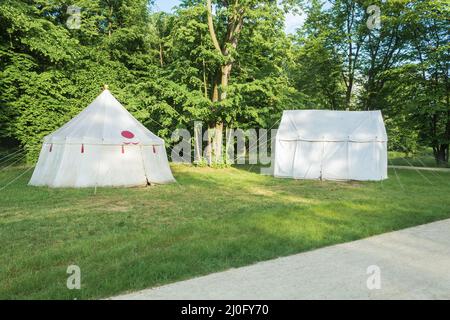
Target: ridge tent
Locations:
point(331, 145)
point(105, 146)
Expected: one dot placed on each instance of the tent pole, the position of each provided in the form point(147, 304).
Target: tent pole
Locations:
point(321, 160)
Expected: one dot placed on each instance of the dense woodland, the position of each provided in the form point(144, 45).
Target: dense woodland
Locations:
point(228, 63)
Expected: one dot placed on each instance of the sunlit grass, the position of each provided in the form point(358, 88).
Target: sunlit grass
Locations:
point(211, 220)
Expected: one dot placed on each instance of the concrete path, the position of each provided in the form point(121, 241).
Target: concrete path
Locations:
point(420, 168)
point(413, 263)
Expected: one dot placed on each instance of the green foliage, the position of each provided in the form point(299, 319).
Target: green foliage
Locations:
point(400, 68)
point(165, 69)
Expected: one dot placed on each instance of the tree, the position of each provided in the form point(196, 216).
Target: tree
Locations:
point(32, 50)
point(414, 90)
point(384, 49)
point(232, 18)
point(49, 72)
point(348, 22)
point(317, 69)
point(431, 42)
point(226, 62)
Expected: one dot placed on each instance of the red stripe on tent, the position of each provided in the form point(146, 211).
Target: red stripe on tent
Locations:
point(154, 149)
point(82, 148)
point(51, 148)
point(123, 149)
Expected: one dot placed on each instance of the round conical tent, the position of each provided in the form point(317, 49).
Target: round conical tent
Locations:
point(103, 146)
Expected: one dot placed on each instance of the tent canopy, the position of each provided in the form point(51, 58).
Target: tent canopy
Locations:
point(331, 145)
point(326, 125)
point(105, 121)
point(104, 145)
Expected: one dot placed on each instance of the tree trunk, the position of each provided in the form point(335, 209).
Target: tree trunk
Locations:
point(218, 143)
point(218, 126)
point(348, 93)
point(211, 149)
point(441, 153)
point(219, 94)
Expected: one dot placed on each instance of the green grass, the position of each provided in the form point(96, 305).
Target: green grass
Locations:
point(424, 158)
point(212, 220)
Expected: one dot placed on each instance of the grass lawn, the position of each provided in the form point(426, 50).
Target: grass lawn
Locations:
point(424, 158)
point(212, 220)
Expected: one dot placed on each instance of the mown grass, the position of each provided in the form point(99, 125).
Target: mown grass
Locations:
point(211, 220)
point(423, 158)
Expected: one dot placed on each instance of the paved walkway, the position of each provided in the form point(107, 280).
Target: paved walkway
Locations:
point(414, 264)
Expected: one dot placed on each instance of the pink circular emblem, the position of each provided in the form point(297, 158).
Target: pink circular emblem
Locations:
point(127, 134)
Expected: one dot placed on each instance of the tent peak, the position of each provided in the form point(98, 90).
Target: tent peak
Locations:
point(105, 87)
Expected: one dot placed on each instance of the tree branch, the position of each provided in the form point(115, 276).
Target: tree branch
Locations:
point(212, 32)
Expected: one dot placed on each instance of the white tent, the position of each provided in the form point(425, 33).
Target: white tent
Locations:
point(331, 145)
point(103, 146)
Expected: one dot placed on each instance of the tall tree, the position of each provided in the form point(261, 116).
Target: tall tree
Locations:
point(234, 21)
point(384, 49)
point(232, 16)
point(317, 69)
point(350, 32)
point(429, 25)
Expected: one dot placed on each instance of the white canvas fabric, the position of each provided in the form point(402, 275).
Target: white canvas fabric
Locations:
point(102, 146)
point(331, 145)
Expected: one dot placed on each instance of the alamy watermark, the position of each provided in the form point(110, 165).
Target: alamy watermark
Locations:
point(374, 280)
point(74, 20)
point(374, 20)
point(251, 146)
point(74, 279)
